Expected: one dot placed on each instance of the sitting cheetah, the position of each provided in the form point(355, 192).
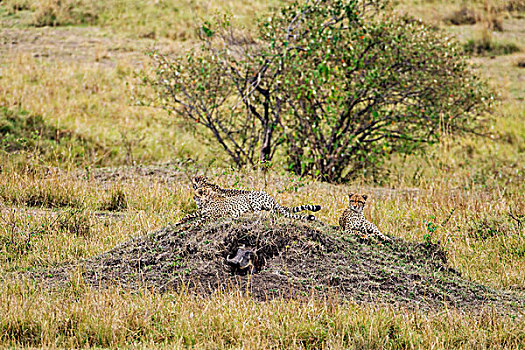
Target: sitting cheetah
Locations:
point(353, 218)
point(258, 200)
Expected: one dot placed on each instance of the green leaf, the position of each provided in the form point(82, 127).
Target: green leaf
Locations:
point(207, 31)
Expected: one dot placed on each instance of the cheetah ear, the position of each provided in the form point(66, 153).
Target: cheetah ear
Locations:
point(350, 195)
point(200, 178)
point(365, 197)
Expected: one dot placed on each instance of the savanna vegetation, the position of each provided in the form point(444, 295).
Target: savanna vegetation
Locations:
point(89, 160)
point(339, 85)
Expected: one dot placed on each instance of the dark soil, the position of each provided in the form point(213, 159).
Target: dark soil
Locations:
point(292, 259)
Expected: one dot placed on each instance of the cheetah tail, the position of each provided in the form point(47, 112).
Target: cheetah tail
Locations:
point(284, 211)
point(308, 207)
point(188, 218)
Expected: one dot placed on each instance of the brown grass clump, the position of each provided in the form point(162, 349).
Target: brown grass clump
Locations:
point(14, 6)
point(514, 5)
point(485, 45)
point(495, 22)
point(490, 16)
point(463, 16)
point(64, 12)
point(116, 201)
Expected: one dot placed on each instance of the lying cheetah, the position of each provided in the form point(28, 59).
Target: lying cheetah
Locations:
point(216, 206)
point(353, 218)
point(258, 200)
point(202, 181)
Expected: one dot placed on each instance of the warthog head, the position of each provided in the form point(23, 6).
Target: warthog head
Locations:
point(243, 259)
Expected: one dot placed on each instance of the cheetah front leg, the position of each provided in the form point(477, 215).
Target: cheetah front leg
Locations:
point(357, 229)
point(373, 229)
point(359, 233)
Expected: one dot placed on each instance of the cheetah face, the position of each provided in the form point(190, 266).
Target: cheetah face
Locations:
point(202, 194)
point(206, 195)
point(357, 202)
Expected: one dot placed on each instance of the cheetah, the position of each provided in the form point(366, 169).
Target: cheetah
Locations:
point(259, 200)
point(353, 218)
point(202, 181)
point(216, 205)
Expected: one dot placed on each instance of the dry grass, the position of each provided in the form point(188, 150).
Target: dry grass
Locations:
point(452, 213)
point(37, 237)
point(486, 26)
point(174, 19)
point(55, 205)
point(78, 317)
point(485, 45)
point(512, 5)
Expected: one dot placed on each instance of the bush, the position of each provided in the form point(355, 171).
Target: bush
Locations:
point(75, 221)
point(341, 84)
point(217, 88)
point(489, 227)
point(514, 5)
point(13, 6)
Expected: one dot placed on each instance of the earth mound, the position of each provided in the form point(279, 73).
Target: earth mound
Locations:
point(274, 257)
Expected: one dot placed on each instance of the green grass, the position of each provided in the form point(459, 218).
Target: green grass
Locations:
point(30, 135)
point(490, 48)
point(98, 102)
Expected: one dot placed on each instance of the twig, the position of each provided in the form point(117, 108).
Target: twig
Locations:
point(448, 218)
point(515, 217)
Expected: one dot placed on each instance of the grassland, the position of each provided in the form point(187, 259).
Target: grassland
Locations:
point(84, 166)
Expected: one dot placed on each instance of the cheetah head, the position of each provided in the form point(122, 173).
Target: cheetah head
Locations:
point(200, 181)
point(202, 194)
point(205, 194)
point(357, 202)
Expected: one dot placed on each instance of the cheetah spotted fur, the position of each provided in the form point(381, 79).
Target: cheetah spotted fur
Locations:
point(258, 200)
point(354, 220)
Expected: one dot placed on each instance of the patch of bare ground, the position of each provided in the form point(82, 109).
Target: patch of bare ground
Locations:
point(86, 45)
point(53, 213)
point(179, 173)
point(289, 259)
point(162, 173)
